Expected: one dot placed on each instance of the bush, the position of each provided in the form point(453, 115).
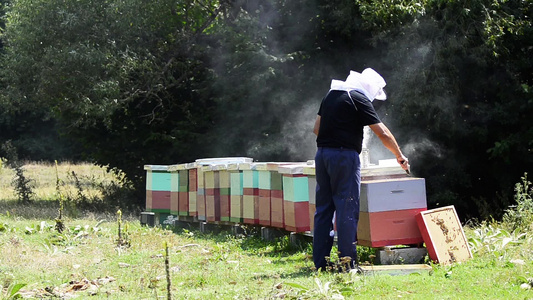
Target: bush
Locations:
point(23, 186)
point(520, 216)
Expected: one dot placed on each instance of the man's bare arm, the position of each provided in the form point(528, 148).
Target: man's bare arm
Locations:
point(317, 125)
point(390, 143)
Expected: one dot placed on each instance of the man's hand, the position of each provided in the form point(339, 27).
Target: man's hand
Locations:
point(404, 163)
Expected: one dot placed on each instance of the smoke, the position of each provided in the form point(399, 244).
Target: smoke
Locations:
point(275, 114)
point(298, 133)
point(366, 136)
point(267, 105)
point(422, 145)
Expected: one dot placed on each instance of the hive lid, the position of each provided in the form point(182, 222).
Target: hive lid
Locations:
point(223, 160)
point(156, 167)
point(443, 235)
point(295, 168)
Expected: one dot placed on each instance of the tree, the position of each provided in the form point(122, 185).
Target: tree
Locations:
point(461, 93)
point(125, 78)
point(166, 82)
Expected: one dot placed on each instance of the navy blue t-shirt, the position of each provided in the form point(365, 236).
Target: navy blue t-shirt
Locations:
point(342, 120)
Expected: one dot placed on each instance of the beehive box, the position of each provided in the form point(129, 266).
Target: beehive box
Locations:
point(193, 189)
point(295, 198)
point(200, 195)
point(276, 196)
point(174, 194)
point(158, 188)
point(250, 198)
point(387, 211)
point(210, 192)
point(444, 236)
point(265, 188)
point(388, 228)
point(393, 194)
point(225, 199)
point(236, 193)
point(309, 171)
point(183, 190)
point(179, 198)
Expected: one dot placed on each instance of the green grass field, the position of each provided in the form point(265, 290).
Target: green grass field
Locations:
point(87, 261)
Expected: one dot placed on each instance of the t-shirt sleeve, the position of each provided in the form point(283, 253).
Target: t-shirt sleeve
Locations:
point(367, 113)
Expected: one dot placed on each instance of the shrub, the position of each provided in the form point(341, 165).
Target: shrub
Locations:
point(23, 186)
point(520, 216)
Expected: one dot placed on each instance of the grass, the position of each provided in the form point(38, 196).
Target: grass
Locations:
point(44, 177)
point(87, 262)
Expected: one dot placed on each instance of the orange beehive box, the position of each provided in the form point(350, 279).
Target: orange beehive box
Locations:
point(264, 207)
point(250, 205)
point(312, 210)
point(276, 209)
point(148, 200)
point(389, 228)
point(174, 203)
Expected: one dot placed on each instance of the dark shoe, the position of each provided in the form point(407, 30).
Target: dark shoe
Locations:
point(356, 271)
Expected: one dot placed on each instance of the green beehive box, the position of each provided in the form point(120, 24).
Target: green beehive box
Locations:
point(276, 182)
point(264, 180)
point(236, 184)
point(161, 181)
point(250, 179)
point(301, 189)
point(183, 185)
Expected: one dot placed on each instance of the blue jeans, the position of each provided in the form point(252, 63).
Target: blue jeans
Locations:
point(338, 181)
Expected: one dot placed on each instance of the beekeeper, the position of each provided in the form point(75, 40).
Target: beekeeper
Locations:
point(343, 113)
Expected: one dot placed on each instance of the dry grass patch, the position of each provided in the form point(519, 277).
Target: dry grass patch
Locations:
point(44, 179)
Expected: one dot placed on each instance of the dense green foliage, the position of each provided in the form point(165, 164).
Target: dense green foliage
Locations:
point(128, 83)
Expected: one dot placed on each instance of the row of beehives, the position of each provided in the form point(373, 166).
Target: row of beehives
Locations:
point(282, 195)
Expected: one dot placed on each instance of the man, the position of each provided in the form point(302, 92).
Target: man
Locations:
point(343, 113)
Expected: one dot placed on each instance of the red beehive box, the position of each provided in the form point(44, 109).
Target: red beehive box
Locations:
point(388, 228)
point(276, 209)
